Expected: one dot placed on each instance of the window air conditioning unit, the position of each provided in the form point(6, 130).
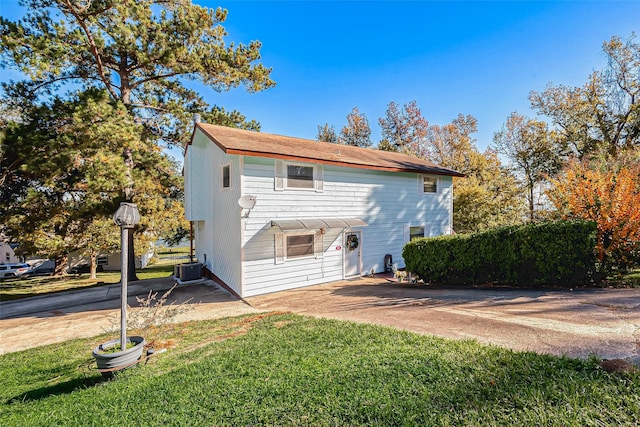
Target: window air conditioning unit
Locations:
point(188, 272)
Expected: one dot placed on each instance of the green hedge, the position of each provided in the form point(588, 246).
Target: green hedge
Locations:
point(549, 253)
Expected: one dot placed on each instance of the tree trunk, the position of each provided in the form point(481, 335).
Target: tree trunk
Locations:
point(531, 212)
point(93, 265)
point(61, 265)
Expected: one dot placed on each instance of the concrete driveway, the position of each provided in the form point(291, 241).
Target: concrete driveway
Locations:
point(54, 318)
point(575, 323)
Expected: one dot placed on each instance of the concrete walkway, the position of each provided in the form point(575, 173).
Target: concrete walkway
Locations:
point(576, 323)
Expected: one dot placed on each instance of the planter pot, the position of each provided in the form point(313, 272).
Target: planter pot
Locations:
point(108, 363)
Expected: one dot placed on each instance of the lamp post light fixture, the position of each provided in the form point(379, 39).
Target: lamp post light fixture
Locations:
point(126, 217)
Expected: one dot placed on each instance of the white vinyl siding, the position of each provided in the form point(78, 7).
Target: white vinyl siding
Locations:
point(250, 256)
point(386, 201)
point(218, 232)
point(197, 192)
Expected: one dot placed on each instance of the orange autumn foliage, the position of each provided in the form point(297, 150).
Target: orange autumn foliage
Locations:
point(611, 198)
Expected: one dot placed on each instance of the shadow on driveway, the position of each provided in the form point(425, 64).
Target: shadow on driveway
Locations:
point(576, 323)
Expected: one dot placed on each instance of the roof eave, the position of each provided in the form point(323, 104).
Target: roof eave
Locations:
point(250, 153)
point(434, 171)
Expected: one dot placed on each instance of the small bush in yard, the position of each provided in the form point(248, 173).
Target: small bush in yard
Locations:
point(549, 253)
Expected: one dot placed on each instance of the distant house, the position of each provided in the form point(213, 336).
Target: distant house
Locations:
point(273, 212)
point(106, 262)
point(7, 255)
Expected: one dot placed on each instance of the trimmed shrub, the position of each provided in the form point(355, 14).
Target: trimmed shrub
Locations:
point(548, 253)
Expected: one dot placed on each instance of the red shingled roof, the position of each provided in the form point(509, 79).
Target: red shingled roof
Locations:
point(258, 144)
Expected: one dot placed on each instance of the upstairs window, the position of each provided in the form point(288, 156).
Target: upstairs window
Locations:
point(226, 176)
point(299, 176)
point(428, 184)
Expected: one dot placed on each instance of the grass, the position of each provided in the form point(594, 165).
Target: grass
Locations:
point(630, 279)
point(24, 288)
point(282, 369)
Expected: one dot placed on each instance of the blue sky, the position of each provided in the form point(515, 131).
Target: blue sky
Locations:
point(478, 58)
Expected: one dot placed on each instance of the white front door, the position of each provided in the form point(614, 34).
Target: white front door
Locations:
point(352, 252)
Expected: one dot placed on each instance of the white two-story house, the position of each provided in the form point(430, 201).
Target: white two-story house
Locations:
point(272, 212)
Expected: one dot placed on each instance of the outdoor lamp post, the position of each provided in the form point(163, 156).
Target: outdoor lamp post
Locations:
point(126, 217)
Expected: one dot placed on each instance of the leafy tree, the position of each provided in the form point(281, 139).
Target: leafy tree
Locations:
point(357, 131)
point(605, 112)
point(99, 237)
point(606, 191)
point(404, 129)
point(64, 175)
point(488, 196)
point(448, 145)
point(532, 151)
point(385, 145)
point(327, 133)
point(140, 52)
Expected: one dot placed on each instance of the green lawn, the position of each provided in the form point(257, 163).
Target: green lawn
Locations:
point(282, 369)
point(24, 288)
point(629, 279)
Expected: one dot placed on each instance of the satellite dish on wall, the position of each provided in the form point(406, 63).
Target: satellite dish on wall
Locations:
point(247, 202)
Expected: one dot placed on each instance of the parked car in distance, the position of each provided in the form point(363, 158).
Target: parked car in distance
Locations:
point(82, 268)
point(13, 270)
point(44, 267)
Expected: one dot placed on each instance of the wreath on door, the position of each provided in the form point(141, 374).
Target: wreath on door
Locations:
point(352, 242)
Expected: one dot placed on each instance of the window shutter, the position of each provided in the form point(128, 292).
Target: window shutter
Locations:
point(420, 184)
point(279, 248)
point(319, 178)
point(318, 244)
point(407, 233)
point(279, 181)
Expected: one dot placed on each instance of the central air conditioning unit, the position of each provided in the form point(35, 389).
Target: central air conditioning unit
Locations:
point(188, 272)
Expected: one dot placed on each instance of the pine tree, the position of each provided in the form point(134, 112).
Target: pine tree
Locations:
point(64, 175)
point(140, 52)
